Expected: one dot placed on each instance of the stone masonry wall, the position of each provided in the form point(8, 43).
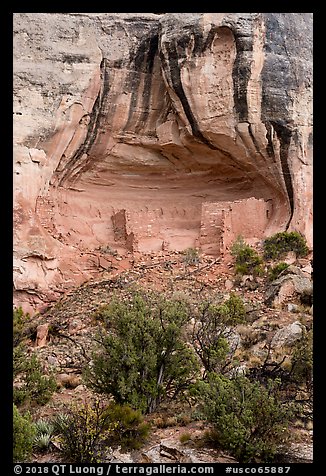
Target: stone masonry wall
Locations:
point(222, 222)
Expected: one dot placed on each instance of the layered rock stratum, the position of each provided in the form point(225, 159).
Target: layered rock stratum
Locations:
point(143, 132)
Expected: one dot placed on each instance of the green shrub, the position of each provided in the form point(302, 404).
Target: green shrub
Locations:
point(191, 257)
point(36, 387)
point(142, 358)
point(302, 359)
point(129, 429)
point(19, 359)
point(20, 321)
point(249, 419)
point(275, 271)
point(278, 245)
point(23, 434)
point(84, 432)
point(185, 437)
point(213, 326)
point(233, 311)
point(247, 260)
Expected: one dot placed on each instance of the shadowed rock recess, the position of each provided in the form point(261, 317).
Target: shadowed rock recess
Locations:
point(145, 132)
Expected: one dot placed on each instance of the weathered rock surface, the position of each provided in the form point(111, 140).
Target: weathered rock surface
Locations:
point(69, 381)
point(144, 132)
point(287, 336)
point(297, 453)
point(172, 451)
point(295, 285)
point(42, 335)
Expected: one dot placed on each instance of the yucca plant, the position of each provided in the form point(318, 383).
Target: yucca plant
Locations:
point(44, 431)
point(60, 421)
point(42, 442)
point(44, 426)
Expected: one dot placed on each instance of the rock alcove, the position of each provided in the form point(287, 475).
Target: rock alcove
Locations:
point(145, 132)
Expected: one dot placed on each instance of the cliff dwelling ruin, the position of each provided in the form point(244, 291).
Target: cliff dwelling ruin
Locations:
point(211, 226)
point(144, 133)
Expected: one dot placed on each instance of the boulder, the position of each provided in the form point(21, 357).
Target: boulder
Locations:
point(289, 286)
point(307, 269)
point(68, 380)
point(233, 338)
point(42, 332)
point(228, 285)
point(293, 307)
point(116, 456)
point(287, 336)
point(52, 360)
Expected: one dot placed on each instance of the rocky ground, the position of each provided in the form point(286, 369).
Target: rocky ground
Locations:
point(277, 312)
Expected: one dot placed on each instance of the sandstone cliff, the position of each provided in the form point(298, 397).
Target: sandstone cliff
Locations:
point(143, 132)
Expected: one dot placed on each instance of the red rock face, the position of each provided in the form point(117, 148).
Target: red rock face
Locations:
point(143, 133)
